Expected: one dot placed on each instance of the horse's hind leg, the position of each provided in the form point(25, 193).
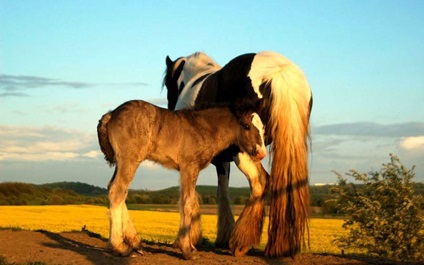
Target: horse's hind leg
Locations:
point(225, 215)
point(248, 228)
point(123, 236)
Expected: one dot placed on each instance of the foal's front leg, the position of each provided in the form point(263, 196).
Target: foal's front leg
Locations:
point(248, 229)
point(188, 235)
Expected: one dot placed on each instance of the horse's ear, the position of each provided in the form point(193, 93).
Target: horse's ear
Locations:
point(169, 62)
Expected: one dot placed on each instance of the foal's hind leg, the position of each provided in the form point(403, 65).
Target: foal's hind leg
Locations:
point(186, 239)
point(123, 236)
point(225, 215)
point(248, 229)
point(130, 233)
point(195, 227)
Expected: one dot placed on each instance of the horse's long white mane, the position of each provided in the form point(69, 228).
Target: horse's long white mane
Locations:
point(196, 65)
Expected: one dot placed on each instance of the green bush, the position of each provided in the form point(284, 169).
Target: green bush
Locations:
point(383, 213)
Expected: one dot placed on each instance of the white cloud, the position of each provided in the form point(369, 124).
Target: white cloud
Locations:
point(149, 164)
point(342, 151)
point(412, 143)
point(92, 154)
point(24, 143)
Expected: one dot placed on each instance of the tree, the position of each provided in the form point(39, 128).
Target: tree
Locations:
point(383, 212)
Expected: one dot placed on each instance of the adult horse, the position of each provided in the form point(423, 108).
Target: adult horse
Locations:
point(277, 89)
point(184, 140)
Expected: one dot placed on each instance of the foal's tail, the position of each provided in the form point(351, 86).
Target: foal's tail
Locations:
point(103, 136)
point(290, 106)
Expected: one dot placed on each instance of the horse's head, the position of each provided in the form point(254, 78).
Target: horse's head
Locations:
point(251, 136)
point(170, 80)
point(179, 72)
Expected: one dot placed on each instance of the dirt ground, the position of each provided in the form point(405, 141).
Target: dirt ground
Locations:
point(23, 247)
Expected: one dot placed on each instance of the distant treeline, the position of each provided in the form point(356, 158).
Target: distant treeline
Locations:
point(81, 193)
point(12, 193)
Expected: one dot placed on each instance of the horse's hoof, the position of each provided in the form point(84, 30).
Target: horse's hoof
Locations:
point(139, 251)
point(223, 245)
point(138, 248)
point(176, 244)
point(240, 251)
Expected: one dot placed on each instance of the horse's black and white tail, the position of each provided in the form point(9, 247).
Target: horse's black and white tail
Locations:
point(290, 108)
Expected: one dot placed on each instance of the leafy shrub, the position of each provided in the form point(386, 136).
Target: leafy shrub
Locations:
point(383, 212)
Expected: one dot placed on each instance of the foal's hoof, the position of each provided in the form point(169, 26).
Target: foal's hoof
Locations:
point(134, 243)
point(122, 250)
point(192, 255)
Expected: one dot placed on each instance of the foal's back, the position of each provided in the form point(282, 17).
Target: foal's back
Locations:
point(139, 130)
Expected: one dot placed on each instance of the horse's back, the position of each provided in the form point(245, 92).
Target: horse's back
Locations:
point(229, 84)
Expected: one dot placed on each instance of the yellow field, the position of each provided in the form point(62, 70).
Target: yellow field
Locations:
point(151, 225)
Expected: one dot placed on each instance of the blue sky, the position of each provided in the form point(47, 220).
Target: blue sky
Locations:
point(65, 63)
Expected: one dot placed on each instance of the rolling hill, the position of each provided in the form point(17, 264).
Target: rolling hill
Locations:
point(59, 193)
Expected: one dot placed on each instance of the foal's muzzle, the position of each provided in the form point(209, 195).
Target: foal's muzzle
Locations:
point(259, 153)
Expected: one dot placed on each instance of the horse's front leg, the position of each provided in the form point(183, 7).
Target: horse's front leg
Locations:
point(189, 232)
point(225, 214)
point(123, 236)
point(248, 228)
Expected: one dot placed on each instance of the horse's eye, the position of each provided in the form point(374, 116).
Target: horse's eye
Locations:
point(246, 126)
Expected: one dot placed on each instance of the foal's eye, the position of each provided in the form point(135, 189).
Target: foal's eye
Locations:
point(246, 126)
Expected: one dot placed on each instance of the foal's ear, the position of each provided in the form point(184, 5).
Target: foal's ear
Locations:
point(169, 62)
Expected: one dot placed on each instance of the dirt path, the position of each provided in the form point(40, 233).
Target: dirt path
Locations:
point(20, 247)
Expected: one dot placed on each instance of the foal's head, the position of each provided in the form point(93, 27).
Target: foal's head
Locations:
point(251, 135)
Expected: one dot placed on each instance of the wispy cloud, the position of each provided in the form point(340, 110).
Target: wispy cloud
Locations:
point(13, 94)
point(26, 143)
point(11, 84)
point(371, 138)
point(372, 129)
point(163, 102)
point(18, 82)
point(365, 146)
